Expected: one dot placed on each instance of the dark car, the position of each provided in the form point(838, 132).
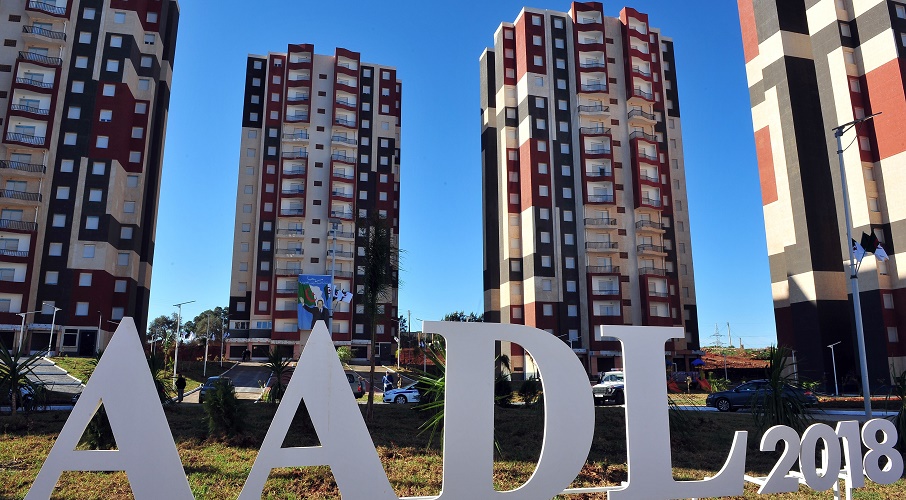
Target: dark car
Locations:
point(746, 394)
point(356, 384)
point(211, 383)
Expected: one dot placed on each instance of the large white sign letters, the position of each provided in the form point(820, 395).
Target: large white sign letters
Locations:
point(147, 453)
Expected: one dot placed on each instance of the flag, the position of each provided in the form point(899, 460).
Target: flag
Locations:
point(871, 244)
point(226, 335)
point(347, 297)
point(337, 294)
point(858, 250)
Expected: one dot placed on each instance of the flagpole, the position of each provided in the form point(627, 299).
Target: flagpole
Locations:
point(854, 276)
point(178, 322)
point(333, 272)
point(204, 371)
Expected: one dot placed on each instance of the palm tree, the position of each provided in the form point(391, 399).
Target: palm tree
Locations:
point(778, 405)
point(14, 371)
point(381, 268)
point(279, 367)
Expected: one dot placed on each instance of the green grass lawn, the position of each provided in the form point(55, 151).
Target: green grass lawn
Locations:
point(218, 468)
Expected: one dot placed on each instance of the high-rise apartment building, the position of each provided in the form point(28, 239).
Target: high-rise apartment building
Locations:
point(84, 93)
point(319, 155)
point(585, 213)
point(814, 65)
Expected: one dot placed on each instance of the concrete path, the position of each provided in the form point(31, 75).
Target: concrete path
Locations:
point(55, 378)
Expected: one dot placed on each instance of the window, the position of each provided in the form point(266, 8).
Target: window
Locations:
point(129, 207)
point(572, 311)
point(81, 62)
point(59, 220)
point(126, 233)
point(545, 237)
point(119, 17)
point(69, 138)
point(51, 278)
point(135, 156)
point(113, 65)
point(566, 170)
point(55, 249)
point(561, 104)
point(536, 40)
point(864, 143)
point(538, 60)
point(88, 251)
point(246, 227)
point(109, 90)
point(888, 300)
point(102, 142)
point(892, 335)
point(570, 286)
point(150, 39)
point(542, 168)
point(78, 87)
point(854, 85)
point(569, 239)
point(536, 20)
point(91, 222)
point(545, 261)
point(81, 309)
point(144, 84)
point(88, 13)
point(74, 113)
point(547, 309)
point(152, 17)
point(901, 11)
point(873, 205)
point(67, 165)
point(146, 62)
point(558, 42)
point(122, 258)
point(84, 279)
point(567, 215)
point(138, 132)
point(570, 262)
point(539, 81)
point(106, 115)
point(517, 312)
point(567, 193)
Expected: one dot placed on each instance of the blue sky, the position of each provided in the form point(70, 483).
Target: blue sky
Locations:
point(436, 47)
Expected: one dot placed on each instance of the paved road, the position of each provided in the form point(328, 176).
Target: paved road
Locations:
point(246, 377)
point(54, 377)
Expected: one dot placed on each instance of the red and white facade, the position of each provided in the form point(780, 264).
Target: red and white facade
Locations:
point(585, 213)
point(812, 66)
point(84, 93)
point(319, 154)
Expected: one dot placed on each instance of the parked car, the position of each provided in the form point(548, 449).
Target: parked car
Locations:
point(211, 383)
point(408, 394)
point(356, 384)
point(609, 388)
point(744, 395)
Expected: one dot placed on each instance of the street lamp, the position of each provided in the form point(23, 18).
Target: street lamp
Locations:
point(53, 323)
point(178, 321)
point(854, 277)
point(834, 363)
point(425, 347)
point(22, 329)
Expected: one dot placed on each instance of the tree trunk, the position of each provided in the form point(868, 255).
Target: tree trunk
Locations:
point(369, 407)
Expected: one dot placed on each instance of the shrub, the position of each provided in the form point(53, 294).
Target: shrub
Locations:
point(223, 412)
point(98, 434)
point(531, 391)
point(776, 406)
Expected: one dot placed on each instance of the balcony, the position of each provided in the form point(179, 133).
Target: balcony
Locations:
point(602, 269)
point(594, 130)
point(29, 109)
point(292, 271)
point(653, 270)
point(340, 253)
point(638, 92)
point(46, 8)
point(293, 172)
point(297, 98)
point(601, 245)
point(18, 225)
point(28, 82)
point(649, 224)
point(606, 291)
point(594, 108)
point(287, 291)
point(599, 171)
point(342, 194)
point(638, 70)
point(30, 140)
point(291, 252)
point(343, 158)
point(23, 167)
point(293, 192)
point(645, 156)
point(298, 117)
point(13, 253)
point(346, 103)
point(292, 212)
point(297, 136)
point(638, 134)
point(344, 140)
point(649, 248)
point(343, 122)
point(651, 202)
point(598, 151)
point(40, 58)
point(294, 155)
point(344, 235)
point(648, 178)
point(593, 64)
point(291, 232)
point(19, 195)
point(50, 35)
point(341, 215)
point(589, 221)
point(633, 113)
point(593, 87)
point(339, 174)
point(600, 198)
point(655, 293)
point(340, 274)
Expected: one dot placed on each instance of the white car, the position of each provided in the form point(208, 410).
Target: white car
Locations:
point(408, 394)
point(610, 388)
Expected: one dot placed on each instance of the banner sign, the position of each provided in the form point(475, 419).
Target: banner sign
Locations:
point(143, 436)
point(314, 300)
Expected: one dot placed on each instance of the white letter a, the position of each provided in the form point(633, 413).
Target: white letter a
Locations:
point(146, 450)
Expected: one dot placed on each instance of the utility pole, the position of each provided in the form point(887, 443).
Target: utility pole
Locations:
point(178, 321)
point(729, 337)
